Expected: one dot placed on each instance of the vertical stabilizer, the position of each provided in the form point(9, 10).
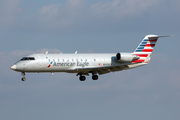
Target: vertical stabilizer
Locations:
point(145, 48)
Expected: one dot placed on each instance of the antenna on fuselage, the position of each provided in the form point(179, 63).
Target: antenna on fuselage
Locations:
point(46, 52)
point(76, 52)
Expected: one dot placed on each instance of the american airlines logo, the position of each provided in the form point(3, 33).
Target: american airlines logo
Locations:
point(50, 64)
point(66, 64)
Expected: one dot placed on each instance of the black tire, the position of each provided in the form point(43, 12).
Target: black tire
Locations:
point(23, 79)
point(95, 77)
point(82, 78)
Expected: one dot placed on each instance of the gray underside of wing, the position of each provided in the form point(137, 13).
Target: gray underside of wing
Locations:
point(102, 70)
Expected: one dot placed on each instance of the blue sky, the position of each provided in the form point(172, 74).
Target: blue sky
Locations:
point(96, 26)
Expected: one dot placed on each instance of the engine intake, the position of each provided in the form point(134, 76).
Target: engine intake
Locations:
point(126, 57)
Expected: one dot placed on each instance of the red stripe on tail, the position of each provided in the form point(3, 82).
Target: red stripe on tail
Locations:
point(138, 61)
point(147, 50)
point(152, 40)
point(141, 55)
point(150, 45)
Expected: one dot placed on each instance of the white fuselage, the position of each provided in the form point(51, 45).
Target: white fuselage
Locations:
point(65, 62)
point(71, 63)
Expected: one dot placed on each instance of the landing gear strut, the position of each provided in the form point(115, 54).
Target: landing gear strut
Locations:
point(23, 78)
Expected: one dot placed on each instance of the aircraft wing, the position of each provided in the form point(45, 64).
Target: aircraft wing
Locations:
point(102, 70)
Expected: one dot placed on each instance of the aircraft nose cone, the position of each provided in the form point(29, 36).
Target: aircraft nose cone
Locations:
point(13, 67)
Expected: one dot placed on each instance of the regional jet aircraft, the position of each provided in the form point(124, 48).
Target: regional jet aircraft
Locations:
point(85, 64)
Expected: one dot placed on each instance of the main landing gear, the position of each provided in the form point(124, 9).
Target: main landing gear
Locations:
point(23, 78)
point(83, 78)
point(94, 76)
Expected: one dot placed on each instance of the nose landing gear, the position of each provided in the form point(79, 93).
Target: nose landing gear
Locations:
point(23, 78)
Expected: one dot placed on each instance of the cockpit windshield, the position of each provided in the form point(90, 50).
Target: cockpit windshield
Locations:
point(27, 58)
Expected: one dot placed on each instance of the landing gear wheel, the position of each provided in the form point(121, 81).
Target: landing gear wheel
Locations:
point(23, 79)
point(95, 77)
point(82, 78)
point(23, 76)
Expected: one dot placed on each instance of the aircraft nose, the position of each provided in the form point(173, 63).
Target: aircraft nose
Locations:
point(13, 67)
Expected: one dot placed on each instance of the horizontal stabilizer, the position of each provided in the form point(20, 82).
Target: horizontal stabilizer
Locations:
point(157, 36)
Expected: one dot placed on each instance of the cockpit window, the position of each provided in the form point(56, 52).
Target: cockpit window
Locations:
point(27, 58)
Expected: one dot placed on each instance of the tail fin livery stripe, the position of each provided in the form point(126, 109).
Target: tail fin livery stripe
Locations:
point(141, 48)
point(150, 45)
point(142, 45)
point(141, 55)
point(155, 40)
point(138, 61)
point(147, 50)
point(146, 40)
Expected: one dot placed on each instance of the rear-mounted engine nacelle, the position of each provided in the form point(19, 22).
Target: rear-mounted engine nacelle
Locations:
point(126, 57)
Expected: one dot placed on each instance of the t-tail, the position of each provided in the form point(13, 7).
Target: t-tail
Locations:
point(145, 48)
